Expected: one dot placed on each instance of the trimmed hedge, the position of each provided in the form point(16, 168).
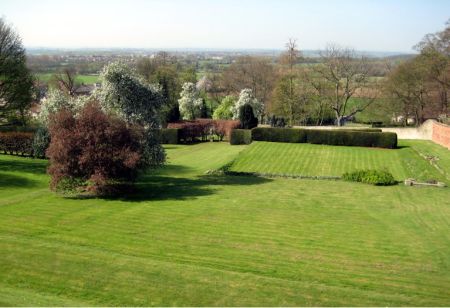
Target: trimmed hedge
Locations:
point(241, 136)
point(11, 128)
point(348, 137)
point(370, 130)
point(276, 134)
point(352, 138)
point(16, 143)
point(169, 135)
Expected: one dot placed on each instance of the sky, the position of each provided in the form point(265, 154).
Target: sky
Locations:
point(367, 25)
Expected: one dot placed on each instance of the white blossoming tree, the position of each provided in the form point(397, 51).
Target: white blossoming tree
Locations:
point(57, 100)
point(246, 98)
point(190, 103)
point(124, 92)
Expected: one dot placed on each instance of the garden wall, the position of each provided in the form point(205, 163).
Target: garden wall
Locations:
point(441, 134)
point(423, 132)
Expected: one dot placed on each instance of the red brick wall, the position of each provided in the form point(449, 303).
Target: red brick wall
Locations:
point(441, 134)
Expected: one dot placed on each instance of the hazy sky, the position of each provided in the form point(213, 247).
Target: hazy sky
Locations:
point(375, 25)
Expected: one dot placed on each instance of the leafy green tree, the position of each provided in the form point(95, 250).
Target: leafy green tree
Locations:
point(223, 112)
point(16, 81)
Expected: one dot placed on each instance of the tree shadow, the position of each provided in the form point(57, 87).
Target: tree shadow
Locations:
point(28, 165)
point(10, 180)
point(176, 188)
point(169, 169)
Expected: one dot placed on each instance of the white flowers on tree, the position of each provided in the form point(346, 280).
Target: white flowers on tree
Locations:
point(246, 98)
point(190, 103)
point(56, 100)
point(130, 96)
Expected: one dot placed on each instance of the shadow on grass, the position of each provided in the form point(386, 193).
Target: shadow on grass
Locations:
point(175, 188)
point(399, 147)
point(169, 169)
point(27, 165)
point(10, 181)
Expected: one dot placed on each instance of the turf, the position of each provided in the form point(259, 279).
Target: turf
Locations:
point(323, 160)
point(189, 239)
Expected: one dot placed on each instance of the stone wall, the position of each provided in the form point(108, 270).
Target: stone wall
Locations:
point(441, 134)
point(424, 131)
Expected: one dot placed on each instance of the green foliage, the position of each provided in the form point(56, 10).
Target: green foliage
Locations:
point(352, 138)
point(170, 135)
point(374, 177)
point(241, 136)
point(223, 111)
point(16, 82)
point(276, 134)
point(247, 117)
point(41, 141)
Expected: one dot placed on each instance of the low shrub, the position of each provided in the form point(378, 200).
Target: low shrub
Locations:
point(41, 141)
point(94, 153)
point(352, 138)
point(169, 135)
point(202, 129)
point(374, 177)
point(190, 131)
point(275, 134)
point(241, 136)
point(16, 143)
point(223, 128)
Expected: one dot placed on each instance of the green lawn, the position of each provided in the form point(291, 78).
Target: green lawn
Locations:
point(324, 160)
point(189, 239)
point(86, 79)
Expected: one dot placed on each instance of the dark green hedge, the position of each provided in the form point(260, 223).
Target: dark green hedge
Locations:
point(170, 135)
point(352, 138)
point(368, 137)
point(276, 134)
point(241, 136)
point(370, 130)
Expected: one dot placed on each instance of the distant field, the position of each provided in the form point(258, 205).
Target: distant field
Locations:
point(324, 160)
point(86, 79)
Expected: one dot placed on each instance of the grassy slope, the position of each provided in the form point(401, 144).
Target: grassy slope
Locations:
point(313, 160)
point(196, 240)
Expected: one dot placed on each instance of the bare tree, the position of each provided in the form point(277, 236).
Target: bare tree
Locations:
point(66, 81)
point(344, 75)
point(255, 73)
point(409, 90)
point(435, 53)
